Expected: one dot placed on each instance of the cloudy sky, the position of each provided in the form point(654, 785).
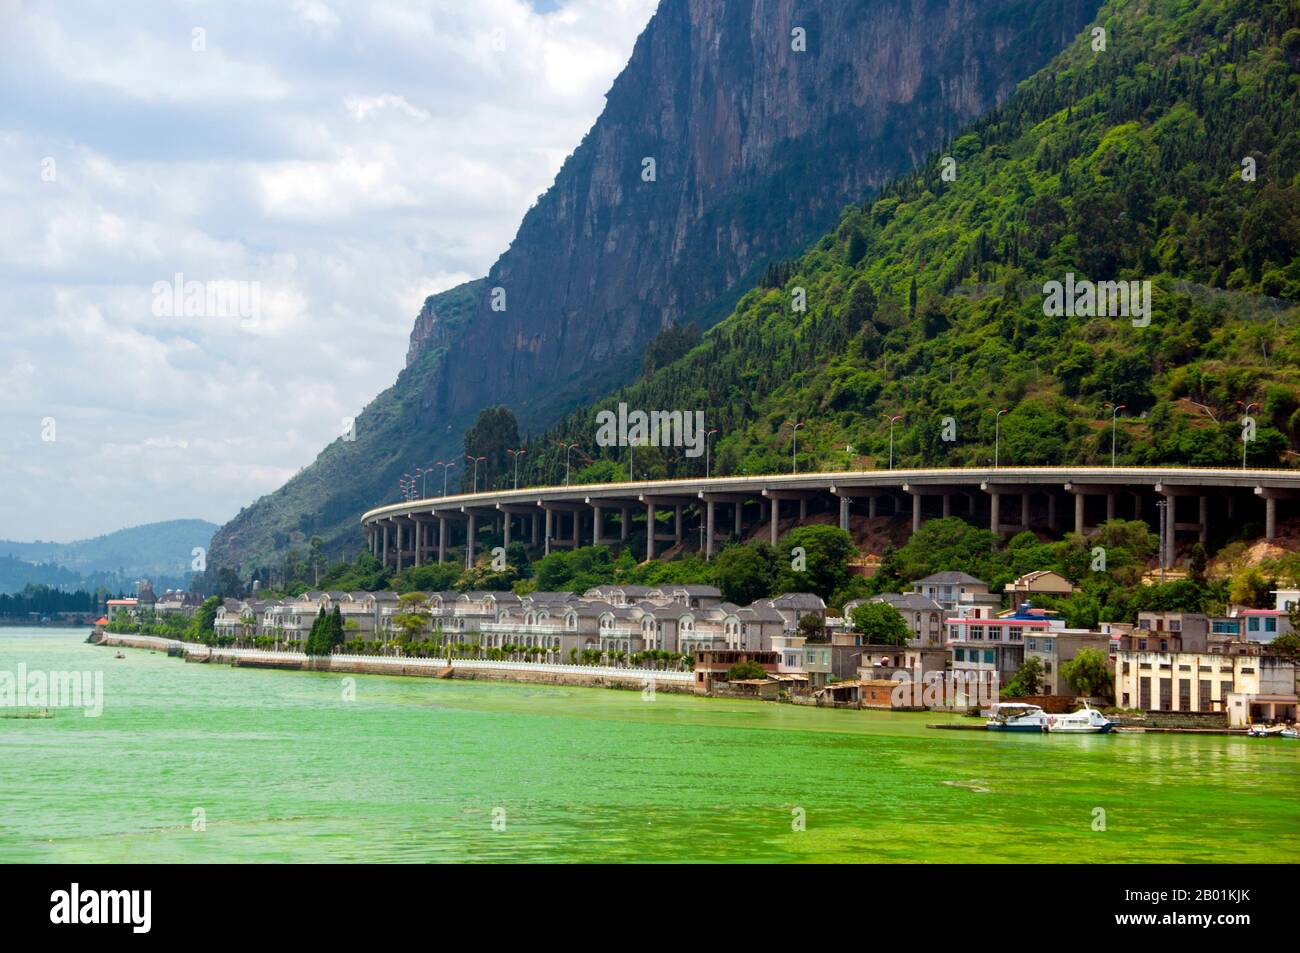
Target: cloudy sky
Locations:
point(344, 159)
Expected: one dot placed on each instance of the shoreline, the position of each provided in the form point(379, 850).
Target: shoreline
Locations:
point(581, 676)
point(525, 673)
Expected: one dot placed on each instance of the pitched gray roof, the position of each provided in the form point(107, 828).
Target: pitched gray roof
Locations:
point(912, 601)
point(951, 578)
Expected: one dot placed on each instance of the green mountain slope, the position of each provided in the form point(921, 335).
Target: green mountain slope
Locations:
point(733, 137)
point(1122, 163)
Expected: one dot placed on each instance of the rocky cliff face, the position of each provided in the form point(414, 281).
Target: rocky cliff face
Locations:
point(734, 136)
point(756, 144)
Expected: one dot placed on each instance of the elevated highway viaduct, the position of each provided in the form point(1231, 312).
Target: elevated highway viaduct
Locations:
point(1192, 502)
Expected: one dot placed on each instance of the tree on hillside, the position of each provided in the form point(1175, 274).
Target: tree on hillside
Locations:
point(318, 638)
point(1197, 563)
point(1028, 679)
point(1287, 646)
point(431, 577)
point(205, 616)
point(744, 573)
point(811, 627)
point(411, 618)
point(668, 345)
point(880, 624)
point(948, 544)
point(1089, 673)
point(495, 431)
point(745, 670)
point(336, 633)
point(823, 565)
point(1248, 587)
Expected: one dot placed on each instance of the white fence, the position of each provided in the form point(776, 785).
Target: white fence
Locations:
point(606, 671)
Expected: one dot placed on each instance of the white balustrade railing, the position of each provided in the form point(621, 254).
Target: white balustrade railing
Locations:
point(607, 671)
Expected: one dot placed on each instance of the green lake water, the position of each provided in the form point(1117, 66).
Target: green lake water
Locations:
point(283, 768)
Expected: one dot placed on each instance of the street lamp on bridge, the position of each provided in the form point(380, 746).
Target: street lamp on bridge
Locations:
point(567, 448)
point(893, 419)
point(794, 449)
point(1114, 411)
point(476, 461)
point(445, 467)
point(997, 436)
point(516, 454)
point(707, 435)
point(1245, 441)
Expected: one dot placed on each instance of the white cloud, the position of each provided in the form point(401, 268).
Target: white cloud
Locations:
point(350, 158)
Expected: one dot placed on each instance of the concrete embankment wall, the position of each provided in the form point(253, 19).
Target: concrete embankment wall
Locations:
point(1176, 719)
point(534, 673)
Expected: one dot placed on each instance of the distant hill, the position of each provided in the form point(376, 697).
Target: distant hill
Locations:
point(162, 552)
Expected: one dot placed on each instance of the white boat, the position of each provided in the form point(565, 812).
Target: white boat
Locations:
point(1085, 721)
point(1016, 716)
point(1264, 731)
point(1289, 733)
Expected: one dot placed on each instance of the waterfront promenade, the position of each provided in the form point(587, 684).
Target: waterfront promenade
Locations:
point(1189, 501)
point(592, 676)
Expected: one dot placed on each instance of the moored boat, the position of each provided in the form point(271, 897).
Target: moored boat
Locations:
point(1016, 716)
point(1086, 721)
point(1265, 731)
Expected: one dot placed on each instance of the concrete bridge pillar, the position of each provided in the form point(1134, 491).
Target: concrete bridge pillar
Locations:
point(1024, 510)
point(401, 541)
point(1079, 503)
point(505, 530)
point(803, 510)
point(1270, 517)
point(738, 517)
point(708, 529)
point(550, 526)
point(649, 531)
point(471, 532)
point(677, 524)
point(624, 519)
point(916, 512)
point(1051, 512)
point(871, 507)
point(536, 527)
point(995, 510)
point(1203, 517)
point(442, 539)
point(844, 513)
point(775, 519)
point(947, 505)
point(595, 525)
point(1110, 507)
point(577, 528)
point(384, 547)
point(1171, 523)
point(419, 542)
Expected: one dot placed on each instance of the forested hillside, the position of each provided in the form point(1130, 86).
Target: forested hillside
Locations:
point(1171, 155)
point(733, 138)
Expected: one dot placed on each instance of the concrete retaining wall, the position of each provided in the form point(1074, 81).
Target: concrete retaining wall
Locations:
point(589, 676)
